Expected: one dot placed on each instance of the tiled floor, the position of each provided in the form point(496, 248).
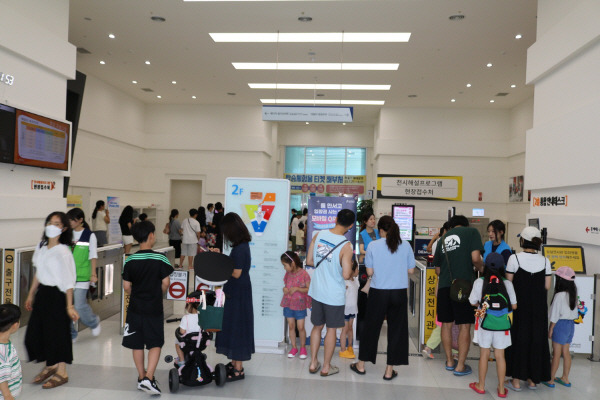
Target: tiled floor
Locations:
point(104, 370)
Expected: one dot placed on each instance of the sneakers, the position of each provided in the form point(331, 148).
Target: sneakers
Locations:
point(293, 352)
point(427, 353)
point(139, 386)
point(96, 330)
point(149, 386)
point(303, 354)
point(348, 353)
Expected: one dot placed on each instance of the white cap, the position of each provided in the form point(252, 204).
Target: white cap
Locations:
point(530, 232)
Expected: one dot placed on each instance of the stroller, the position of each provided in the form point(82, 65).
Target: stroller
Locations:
point(195, 371)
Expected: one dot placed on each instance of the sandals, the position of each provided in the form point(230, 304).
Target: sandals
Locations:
point(332, 371)
point(354, 368)
point(316, 369)
point(45, 374)
point(234, 374)
point(394, 374)
point(55, 381)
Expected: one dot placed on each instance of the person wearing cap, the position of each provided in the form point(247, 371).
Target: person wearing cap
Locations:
point(500, 340)
point(528, 358)
point(563, 311)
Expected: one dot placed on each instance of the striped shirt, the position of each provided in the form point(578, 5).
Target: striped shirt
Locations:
point(10, 368)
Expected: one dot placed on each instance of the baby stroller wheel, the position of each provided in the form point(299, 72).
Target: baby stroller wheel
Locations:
point(173, 380)
point(220, 375)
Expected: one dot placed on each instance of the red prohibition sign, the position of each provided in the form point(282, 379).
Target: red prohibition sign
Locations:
point(177, 290)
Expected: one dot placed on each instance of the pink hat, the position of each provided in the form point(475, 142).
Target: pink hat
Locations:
point(566, 273)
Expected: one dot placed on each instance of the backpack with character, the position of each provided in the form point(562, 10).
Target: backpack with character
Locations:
point(495, 304)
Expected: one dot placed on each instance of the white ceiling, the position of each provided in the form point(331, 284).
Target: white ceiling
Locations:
point(441, 57)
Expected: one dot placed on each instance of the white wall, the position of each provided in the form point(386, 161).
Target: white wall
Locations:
point(35, 50)
point(562, 147)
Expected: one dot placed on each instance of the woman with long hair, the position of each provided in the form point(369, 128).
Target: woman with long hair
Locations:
point(175, 232)
point(389, 260)
point(236, 339)
point(368, 233)
point(100, 221)
point(496, 244)
point(125, 222)
point(50, 300)
point(201, 217)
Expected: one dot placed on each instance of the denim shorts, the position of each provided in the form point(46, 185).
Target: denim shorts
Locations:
point(563, 331)
point(348, 317)
point(296, 314)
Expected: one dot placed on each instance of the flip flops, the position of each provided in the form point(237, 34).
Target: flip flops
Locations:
point(502, 395)
point(394, 374)
point(452, 367)
point(473, 385)
point(317, 368)
point(550, 385)
point(355, 369)
point(466, 371)
point(561, 382)
point(509, 385)
point(332, 371)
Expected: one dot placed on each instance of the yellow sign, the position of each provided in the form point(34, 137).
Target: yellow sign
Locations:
point(9, 276)
point(322, 184)
point(74, 200)
point(565, 256)
point(430, 302)
point(419, 187)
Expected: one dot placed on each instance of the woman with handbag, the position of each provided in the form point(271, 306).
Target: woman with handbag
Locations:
point(389, 260)
point(236, 339)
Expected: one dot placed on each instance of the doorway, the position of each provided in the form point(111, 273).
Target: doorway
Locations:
point(185, 194)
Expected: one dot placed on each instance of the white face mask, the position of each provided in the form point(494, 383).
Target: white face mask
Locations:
point(53, 231)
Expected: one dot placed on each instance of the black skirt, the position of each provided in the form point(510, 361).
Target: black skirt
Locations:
point(48, 335)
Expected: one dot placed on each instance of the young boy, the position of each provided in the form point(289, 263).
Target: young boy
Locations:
point(11, 376)
point(145, 278)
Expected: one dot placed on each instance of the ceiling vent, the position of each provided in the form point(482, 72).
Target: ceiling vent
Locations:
point(501, 94)
point(147, 89)
point(82, 50)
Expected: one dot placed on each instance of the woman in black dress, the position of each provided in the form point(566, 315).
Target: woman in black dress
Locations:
point(236, 339)
point(528, 358)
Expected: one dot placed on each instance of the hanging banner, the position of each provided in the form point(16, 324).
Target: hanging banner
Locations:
point(327, 184)
point(419, 187)
point(307, 113)
point(114, 230)
point(322, 213)
point(263, 204)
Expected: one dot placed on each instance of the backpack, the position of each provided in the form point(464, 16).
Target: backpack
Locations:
point(495, 301)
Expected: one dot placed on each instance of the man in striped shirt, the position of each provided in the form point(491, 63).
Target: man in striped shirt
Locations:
point(11, 377)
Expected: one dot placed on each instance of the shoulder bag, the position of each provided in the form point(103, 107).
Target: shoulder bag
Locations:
point(460, 289)
point(330, 251)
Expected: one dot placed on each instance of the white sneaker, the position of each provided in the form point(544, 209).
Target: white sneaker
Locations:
point(74, 340)
point(96, 330)
point(150, 386)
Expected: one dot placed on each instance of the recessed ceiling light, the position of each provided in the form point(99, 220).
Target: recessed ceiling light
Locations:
point(134, 82)
point(468, 85)
point(343, 123)
point(318, 66)
point(307, 123)
point(305, 19)
point(102, 62)
point(147, 62)
point(492, 101)
point(513, 86)
point(110, 35)
point(489, 65)
point(193, 97)
point(313, 101)
point(456, 17)
point(312, 37)
point(453, 100)
point(174, 82)
point(157, 19)
point(317, 86)
point(159, 97)
point(519, 36)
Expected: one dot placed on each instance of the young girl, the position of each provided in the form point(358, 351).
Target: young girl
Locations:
point(295, 300)
point(563, 311)
point(350, 310)
point(202, 244)
point(494, 269)
point(189, 324)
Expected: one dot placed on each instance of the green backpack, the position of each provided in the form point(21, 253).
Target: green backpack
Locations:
point(498, 315)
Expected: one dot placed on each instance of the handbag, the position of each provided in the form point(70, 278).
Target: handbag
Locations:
point(210, 318)
point(460, 289)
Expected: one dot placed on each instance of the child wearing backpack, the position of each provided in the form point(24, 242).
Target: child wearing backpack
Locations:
point(563, 311)
point(496, 299)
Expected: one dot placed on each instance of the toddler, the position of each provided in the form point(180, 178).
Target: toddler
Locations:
point(189, 323)
point(11, 376)
point(350, 310)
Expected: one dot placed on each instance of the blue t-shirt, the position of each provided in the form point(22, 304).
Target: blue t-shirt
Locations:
point(327, 283)
point(390, 270)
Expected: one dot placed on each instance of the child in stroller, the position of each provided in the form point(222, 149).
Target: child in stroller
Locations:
point(191, 368)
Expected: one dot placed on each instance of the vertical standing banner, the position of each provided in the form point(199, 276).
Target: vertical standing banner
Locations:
point(114, 210)
point(322, 214)
point(263, 204)
point(584, 324)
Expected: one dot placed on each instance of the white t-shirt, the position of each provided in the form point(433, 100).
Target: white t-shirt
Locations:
point(189, 322)
point(295, 223)
point(559, 309)
point(98, 223)
point(299, 237)
point(209, 217)
point(190, 226)
point(475, 296)
point(55, 267)
point(529, 262)
point(93, 249)
point(434, 246)
point(352, 286)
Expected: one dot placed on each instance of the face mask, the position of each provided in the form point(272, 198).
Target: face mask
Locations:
point(53, 231)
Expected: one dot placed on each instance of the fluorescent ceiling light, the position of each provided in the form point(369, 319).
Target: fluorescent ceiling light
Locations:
point(322, 102)
point(312, 37)
point(317, 86)
point(319, 66)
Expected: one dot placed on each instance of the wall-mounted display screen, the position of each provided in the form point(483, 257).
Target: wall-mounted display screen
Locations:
point(478, 212)
point(405, 218)
point(7, 134)
point(30, 139)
